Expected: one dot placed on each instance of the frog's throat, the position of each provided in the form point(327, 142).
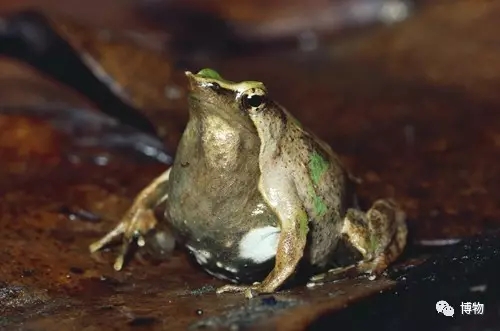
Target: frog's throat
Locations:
point(198, 106)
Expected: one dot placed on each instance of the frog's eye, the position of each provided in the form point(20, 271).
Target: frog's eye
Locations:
point(255, 100)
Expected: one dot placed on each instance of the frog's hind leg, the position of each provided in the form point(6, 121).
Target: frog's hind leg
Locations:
point(138, 220)
point(379, 235)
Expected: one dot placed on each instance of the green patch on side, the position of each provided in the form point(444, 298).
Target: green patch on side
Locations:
point(319, 205)
point(303, 223)
point(317, 166)
point(209, 73)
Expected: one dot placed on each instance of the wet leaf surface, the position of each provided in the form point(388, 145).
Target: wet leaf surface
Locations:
point(463, 273)
point(411, 108)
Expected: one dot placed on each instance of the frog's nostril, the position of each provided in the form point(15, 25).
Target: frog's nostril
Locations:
point(191, 80)
point(190, 76)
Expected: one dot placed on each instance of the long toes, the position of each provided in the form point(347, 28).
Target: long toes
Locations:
point(118, 265)
point(250, 293)
point(333, 275)
point(117, 231)
point(120, 260)
point(374, 267)
point(97, 245)
point(231, 289)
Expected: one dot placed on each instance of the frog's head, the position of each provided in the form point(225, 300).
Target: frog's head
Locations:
point(209, 92)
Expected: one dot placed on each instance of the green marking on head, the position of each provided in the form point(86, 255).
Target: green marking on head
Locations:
point(209, 73)
point(317, 166)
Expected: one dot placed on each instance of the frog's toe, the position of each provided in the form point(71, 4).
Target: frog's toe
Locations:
point(118, 265)
point(134, 226)
point(231, 289)
point(372, 268)
point(108, 238)
point(333, 275)
point(249, 290)
point(120, 260)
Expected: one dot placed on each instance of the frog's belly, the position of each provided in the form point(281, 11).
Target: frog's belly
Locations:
point(231, 233)
point(248, 261)
point(247, 258)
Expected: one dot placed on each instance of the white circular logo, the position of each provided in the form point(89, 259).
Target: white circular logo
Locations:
point(440, 306)
point(444, 308)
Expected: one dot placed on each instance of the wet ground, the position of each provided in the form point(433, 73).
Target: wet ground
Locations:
point(412, 108)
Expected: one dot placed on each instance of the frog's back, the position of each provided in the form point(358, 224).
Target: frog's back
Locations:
point(214, 203)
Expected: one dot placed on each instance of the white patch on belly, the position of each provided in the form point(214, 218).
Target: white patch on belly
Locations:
point(260, 245)
point(200, 255)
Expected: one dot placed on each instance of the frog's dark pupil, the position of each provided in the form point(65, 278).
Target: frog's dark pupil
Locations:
point(255, 100)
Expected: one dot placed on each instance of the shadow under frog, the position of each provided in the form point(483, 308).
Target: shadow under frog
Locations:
point(255, 197)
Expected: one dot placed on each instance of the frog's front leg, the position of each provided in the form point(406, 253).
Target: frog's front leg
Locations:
point(291, 245)
point(138, 220)
point(379, 235)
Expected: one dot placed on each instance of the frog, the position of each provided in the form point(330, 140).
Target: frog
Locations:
point(255, 197)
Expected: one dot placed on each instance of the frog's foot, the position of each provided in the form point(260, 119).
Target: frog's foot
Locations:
point(249, 290)
point(333, 275)
point(138, 220)
point(379, 235)
point(134, 226)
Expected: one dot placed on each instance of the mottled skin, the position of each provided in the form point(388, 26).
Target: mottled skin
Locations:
point(245, 163)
